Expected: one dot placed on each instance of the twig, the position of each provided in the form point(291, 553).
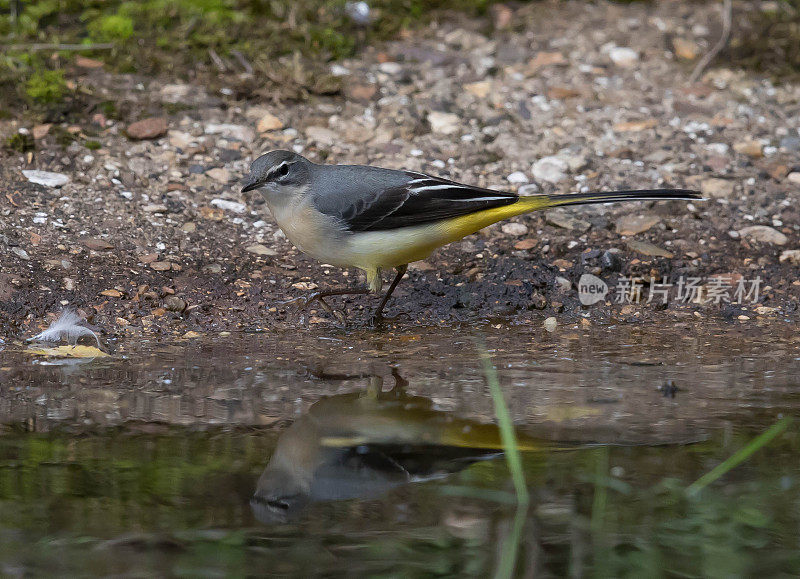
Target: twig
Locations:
point(248, 68)
point(36, 47)
point(727, 17)
point(217, 60)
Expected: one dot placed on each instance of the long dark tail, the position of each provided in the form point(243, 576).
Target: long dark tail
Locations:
point(616, 196)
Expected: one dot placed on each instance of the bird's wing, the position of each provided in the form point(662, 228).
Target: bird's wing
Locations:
point(371, 199)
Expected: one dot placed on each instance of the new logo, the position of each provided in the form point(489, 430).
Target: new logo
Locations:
point(591, 289)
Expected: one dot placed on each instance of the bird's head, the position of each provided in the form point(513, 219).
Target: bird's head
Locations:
point(279, 173)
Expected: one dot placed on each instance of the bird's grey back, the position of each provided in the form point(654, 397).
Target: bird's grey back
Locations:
point(339, 188)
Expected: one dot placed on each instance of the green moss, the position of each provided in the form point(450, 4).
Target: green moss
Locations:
point(46, 86)
point(111, 28)
point(92, 145)
point(21, 142)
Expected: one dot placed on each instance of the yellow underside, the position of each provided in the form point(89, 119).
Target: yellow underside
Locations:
point(374, 251)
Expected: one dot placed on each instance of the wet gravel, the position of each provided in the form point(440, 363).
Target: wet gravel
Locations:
point(150, 235)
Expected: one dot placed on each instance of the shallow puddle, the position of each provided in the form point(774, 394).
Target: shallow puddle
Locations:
point(378, 453)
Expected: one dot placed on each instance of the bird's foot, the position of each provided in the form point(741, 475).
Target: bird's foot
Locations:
point(304, 301)
point(378, 318)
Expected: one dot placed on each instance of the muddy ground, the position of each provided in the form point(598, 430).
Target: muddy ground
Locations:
point(151, 237)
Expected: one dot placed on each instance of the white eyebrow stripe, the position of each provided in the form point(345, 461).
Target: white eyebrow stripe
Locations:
point(276, 169)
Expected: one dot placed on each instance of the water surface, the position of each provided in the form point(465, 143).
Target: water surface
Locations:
point(377, 453)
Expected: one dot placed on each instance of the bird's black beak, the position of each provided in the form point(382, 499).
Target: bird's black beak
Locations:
point(250, 184)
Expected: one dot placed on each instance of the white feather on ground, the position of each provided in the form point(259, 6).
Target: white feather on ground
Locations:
point(66, 327)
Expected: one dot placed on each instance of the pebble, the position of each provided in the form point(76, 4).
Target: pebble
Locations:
point(633, 224)
point(219, 174)
point(269, 122)
point(717, 188)
point(563, 283)
point(175, 93)
point(161, 265)
point(790, 256)
point(260, 249)
point(155, 208)
point(550, 169)
point(634, 126)
point(764, 234)
point(227, 205)
point(98, 244)
point(793, 177)
point(550, 324)
point(610, 261)
point(321, 135)
point(526, 244)
point(791, 144)
point(229, 131)
point(649, 249)
point(517, 177)
point(623, 56)
point(516, 229)
point(21, 253)
point(40, 131)
point(46, 178)
point(527, 190)
point(566, 221)
point(685, 48)
point(749, 148)
point(444, 123)
point(149, 128)
point(390, 68)
point(174, 304)
point(479, 89)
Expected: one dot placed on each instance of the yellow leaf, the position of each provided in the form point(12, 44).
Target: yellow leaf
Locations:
point(68, 352)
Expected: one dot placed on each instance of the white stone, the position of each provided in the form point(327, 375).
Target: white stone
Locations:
point(260, 249)
point(229, 131)
point(517, 177)
point(175, 93)
point(550, 169)
point(227, 205)
point(390, 68)
point(529, 189)
point(550, 324)
point(791, 256)
point(179, 139)
point(623, 56)
point(517, 229)
point(46, 178)
point(443, 123)
point(764, 234)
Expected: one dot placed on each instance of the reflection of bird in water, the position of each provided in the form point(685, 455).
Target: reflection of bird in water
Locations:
point(364, 444)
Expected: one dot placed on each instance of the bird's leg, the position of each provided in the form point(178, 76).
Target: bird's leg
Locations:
point(401, 271)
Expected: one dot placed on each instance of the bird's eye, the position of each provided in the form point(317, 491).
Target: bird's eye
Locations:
point(279, 504)
point(282, 171)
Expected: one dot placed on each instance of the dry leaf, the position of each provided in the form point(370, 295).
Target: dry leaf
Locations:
point(68, 352)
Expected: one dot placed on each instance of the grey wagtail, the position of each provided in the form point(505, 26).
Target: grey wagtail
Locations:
point(375, 219)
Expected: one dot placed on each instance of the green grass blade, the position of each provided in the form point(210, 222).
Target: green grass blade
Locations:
point(739, 456)
point(508, 559)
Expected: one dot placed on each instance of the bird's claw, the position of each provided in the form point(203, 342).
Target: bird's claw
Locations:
point(305, 301)
point(378, 318)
